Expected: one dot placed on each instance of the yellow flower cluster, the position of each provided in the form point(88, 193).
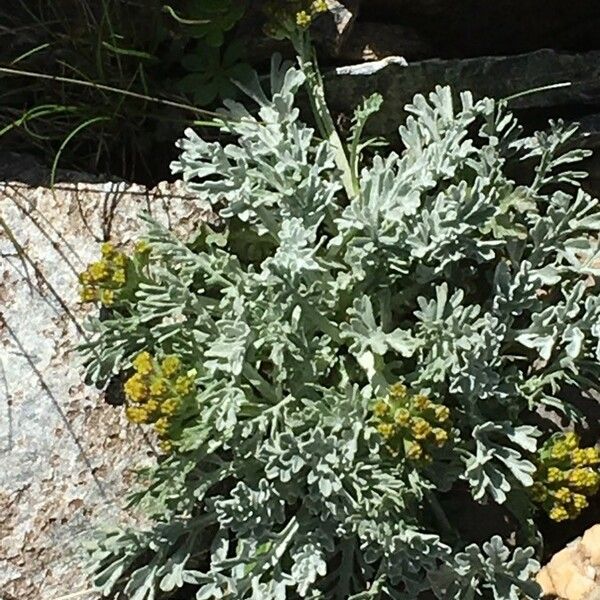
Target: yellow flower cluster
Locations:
point(567, 476)
point(301, 11)
point(102, 279)
point(411, 423)
point(156, 393)
point(304, 17)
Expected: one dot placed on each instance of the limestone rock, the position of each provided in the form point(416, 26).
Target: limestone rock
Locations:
point(574, 572)
point(67, 456)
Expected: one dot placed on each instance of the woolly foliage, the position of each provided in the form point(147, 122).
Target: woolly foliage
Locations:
point(462, 269)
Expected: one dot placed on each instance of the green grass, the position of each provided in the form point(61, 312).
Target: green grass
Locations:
point(90, 85)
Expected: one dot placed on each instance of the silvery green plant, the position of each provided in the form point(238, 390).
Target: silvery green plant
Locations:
point(462, 267)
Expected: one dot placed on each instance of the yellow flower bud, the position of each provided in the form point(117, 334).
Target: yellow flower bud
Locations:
point(119, 260)
point(441, 436)
point(143, 363)
point(119, 277)
point(166, 446)
point(158, 387)
point(303, 19)
point(592, 456)
point(386, 430)
point(88, 294)
point(136, 414)
point(107, 249)
point(559, 450)
point(85, 277)
point(577, 477)
point(142, 246)
point(135, 388)
point(563, 495)
point(381, 408)
point(558, 513)
point(161, 426)
point(398, 391)
point(579, 502)
point(442, 413)
point(414, 451)
point(402, 417)
point(98, 271)
point(107, 297)
point(319, 6)
point(579, 457)
point(420, 428)
point(170, 365)
point(555, 475)
point(421, 402)
point(152, 406)
point(170, 407)
point(571, 440)
point(184, 384)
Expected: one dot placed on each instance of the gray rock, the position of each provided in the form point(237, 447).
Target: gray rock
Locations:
point(331, 30)
point(67, 456)
point(374, 41)
point(495, 76)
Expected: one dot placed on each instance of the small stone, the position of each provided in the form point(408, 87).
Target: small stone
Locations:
point(591, 545)
point(573, 573)
point(545, 582)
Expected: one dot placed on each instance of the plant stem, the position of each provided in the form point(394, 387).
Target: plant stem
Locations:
point(316, 94)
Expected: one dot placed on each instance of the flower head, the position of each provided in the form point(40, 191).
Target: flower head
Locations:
point(411, 421)
point(88, 294)
point(558, 513)
point(414, 451)
point(566, 475)
point(107, 297)
point(119, 277)
point(143, 363)
point(170, 365)
point(319, 6)
point(142, 247)
point(303, 19)
point(107, 249)
point(135, 388)
point(161, 426)
point(402, 417)
point(98, 271)
point(386, 430)
point(381, 408)
point(420, 428)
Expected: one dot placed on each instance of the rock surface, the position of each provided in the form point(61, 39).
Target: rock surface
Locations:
point(67, 456)
point(574, 573)
point(398, 80)
point(494, 76)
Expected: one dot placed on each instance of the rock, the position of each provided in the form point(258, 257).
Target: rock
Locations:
point(591, 545)
point(471, 28)
point(574, 572)
point(331, 29)
point(590, 138)
point(373, 41)
point(66, 455)
point(495, 76)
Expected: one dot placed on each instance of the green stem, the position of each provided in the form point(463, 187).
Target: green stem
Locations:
point(440, 515)
point(316, 94)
